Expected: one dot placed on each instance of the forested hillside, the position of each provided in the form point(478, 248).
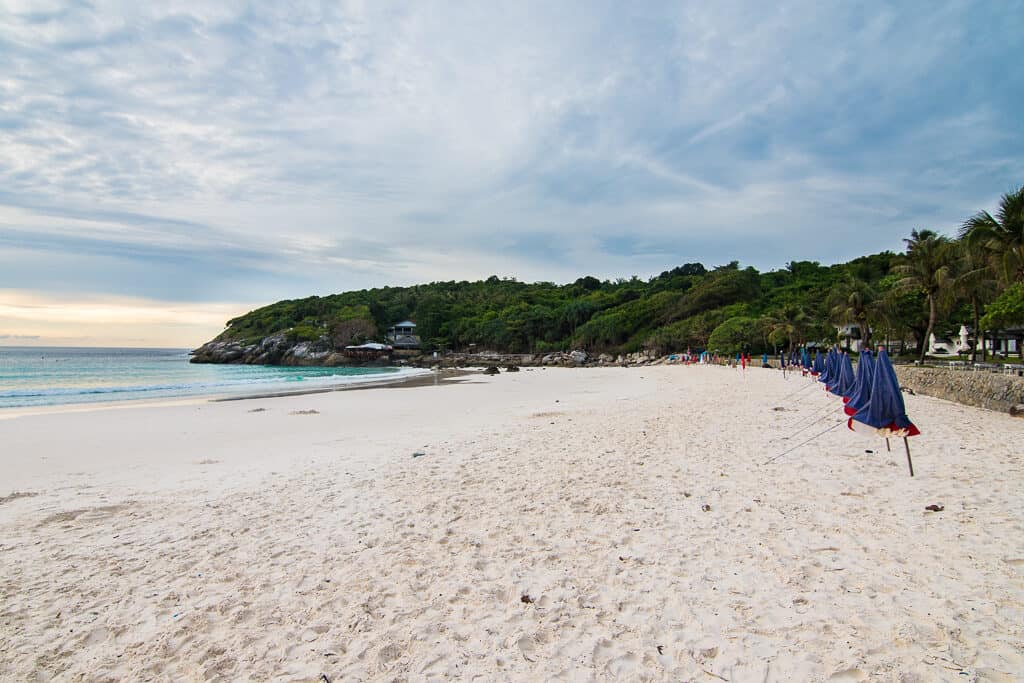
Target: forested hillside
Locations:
point(680, 308)
point(938, 283)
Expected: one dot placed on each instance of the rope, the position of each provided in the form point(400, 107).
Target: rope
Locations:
point(794, 393)
point(818, 418)
point(771, 460)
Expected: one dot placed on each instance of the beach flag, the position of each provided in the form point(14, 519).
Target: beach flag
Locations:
point(861, 393)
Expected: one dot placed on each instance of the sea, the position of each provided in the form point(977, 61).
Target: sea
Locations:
point(41, 376)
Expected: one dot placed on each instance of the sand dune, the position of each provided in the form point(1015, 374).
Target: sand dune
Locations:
point(605, 524)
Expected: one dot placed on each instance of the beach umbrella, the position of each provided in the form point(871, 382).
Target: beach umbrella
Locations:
point(819, 365)
point(826, 366)
point(844, 377)
point(831, 373)
point(861, 393)
point(885, 411)
point(805, 358)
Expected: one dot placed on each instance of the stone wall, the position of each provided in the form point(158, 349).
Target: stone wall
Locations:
point(982, 389)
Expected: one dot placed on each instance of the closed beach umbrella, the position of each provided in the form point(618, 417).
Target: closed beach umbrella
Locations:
point(844, 386)
point(885, 411)
point(830, 374)
point(819, 365)
point(861, 393)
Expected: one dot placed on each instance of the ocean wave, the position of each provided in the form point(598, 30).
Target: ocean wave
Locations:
point(28, 396)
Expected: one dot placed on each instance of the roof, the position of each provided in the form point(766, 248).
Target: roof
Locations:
point(370, 346)
point(406, 323)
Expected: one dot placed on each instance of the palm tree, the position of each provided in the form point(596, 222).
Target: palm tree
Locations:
point(1002, 236)
point(975, 282)
point(926, 268)
point(787, 325)
point(851, 302)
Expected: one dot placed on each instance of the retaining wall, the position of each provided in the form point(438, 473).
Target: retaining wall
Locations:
point(982, 389)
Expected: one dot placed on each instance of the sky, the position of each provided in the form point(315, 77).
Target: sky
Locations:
point(167, 166)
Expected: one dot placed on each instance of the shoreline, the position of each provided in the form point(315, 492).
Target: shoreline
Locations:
point(434, 378)
point(421, 379)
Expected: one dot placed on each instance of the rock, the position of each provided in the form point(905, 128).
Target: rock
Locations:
point(512, 368)
point(579, 357)
point(1017, 410)
point(492, 370)
point(606, 358)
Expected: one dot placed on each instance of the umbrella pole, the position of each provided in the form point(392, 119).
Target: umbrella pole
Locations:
point(910, 462)
point(888, 446)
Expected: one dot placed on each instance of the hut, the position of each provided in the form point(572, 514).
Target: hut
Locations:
point(368, 351)
point(403, 335)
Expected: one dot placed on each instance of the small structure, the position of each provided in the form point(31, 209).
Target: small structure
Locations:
point(1005, 342)
point(849, 337)
point(369, 351)
point(940, 346)
point(403, 335)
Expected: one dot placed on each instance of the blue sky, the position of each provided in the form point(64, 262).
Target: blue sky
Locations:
point(199, 158)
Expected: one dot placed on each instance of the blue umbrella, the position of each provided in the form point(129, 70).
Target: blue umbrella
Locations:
point(886, 410)
point(819, 364)
point(829, 375)
point(844, 378)
point(861, 393)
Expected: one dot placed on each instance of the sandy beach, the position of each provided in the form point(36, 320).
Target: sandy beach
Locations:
point(598, 524)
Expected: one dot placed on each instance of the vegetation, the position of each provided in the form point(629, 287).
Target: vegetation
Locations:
point(938, 284)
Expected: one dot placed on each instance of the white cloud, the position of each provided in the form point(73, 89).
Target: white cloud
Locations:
point(281, 150)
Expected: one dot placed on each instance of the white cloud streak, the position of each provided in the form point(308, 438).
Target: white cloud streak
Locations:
point(276, 151)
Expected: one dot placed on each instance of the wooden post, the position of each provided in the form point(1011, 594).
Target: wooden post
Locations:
point(910, 463)
point(888, 447)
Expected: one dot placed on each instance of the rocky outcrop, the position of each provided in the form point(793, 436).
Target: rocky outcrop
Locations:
point(275, 350)
point(994, 391)
point(278, 349)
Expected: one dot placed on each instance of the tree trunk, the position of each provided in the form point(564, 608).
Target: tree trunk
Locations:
point(931, 326)
point(977, 334)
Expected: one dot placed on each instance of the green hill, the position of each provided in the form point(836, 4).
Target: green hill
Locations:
point(679, 308)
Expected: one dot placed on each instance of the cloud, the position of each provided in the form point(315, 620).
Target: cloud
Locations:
point(31, 318)
point(194, 152)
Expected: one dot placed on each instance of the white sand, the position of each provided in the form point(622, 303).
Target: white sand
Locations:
point(556, 528)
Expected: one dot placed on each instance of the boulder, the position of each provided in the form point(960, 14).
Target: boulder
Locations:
point(491, 370)
point(579, 357)
point(1017, 410)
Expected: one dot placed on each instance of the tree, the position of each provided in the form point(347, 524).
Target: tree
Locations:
point(1002, 236)
point(786, 327)
point(975, 282)
point(735, 335)
point(851, 302)
point(926, 268)
point(1007, 311)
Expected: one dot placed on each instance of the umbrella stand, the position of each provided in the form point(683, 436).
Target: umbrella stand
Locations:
point(910, 462)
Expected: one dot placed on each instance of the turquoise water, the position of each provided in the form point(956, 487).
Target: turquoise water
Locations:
point(56, 376)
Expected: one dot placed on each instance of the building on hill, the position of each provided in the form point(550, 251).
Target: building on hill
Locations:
point(403, 335)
